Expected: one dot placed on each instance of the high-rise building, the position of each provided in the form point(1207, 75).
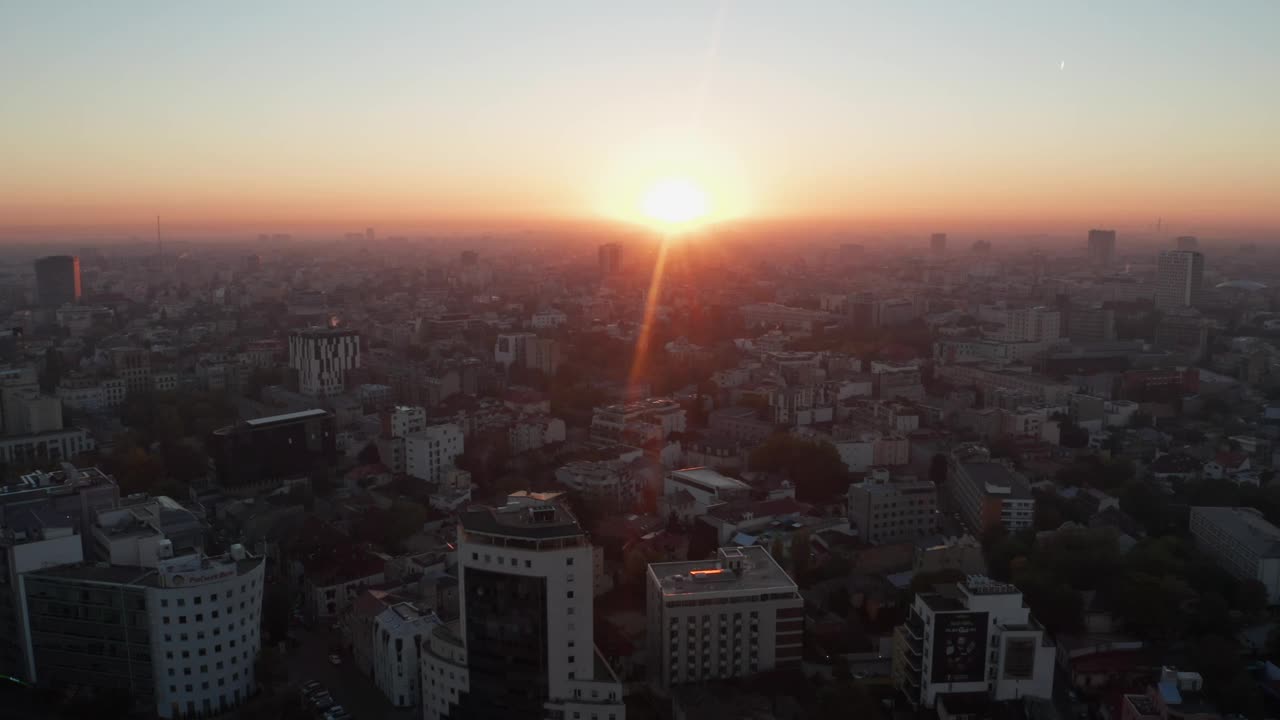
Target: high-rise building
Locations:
point(610, 258)
point(470, 258)
point(322, 357)
point(1179, 274)
point(734, 616)
point(1187, 242)
point(368, 235)
point(974, 638)
point(1102, 247)
point(938, 242)
point(57, 280)
point(523, 646)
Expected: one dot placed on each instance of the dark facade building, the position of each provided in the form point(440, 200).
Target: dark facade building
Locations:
point(265, 451)
point(57, 280)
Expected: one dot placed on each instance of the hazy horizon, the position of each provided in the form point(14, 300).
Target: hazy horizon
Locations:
point(873, 118)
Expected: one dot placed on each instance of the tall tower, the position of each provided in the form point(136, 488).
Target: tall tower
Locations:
point(1102, 247)
point(57, 280)
point(525, 584)
point(610, 258)
point(1179, 274)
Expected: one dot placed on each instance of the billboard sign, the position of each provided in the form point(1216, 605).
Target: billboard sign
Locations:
point(959, 647)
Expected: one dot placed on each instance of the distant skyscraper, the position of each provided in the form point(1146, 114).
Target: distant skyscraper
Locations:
point(470, 257)
point(938, 242)
point(1178, 277)
point(982, 247)
point(1102, 247)
point(1188, 242)
point(610, 258)
point(368, 234)
point(57, 280)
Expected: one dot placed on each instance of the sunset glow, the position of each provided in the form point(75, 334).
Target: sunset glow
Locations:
point(675, 202)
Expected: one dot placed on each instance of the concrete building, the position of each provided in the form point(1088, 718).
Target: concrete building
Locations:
point(512, 348)
point(731, 617)
point(1243, 543)
point(977, 637)
point(398, 633)
point(322, 357)
point(1179, 275)
point(265, 451)
point(637, 422)
point(692, 491)
point(57, 280)
point(741, 424)
point(133, 365)
point(188, 627)
point(1102, 247)
point(613, 485)
point(431, 452)
point(548, 319)
point(987, 493)
point(890, 511)
point(938, 243)
point(523, 645)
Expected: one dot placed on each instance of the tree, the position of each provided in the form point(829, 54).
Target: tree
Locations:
point(778, 550)
point(369, 455)
point(814, 467)
point(1251, 597)
point(801, 555)
point(275, 611)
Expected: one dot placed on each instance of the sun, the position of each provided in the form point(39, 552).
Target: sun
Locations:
point(675, 201)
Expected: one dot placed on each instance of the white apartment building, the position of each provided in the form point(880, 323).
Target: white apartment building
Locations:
point(202, 615)
point(551, 318)
point(531, 432)
point(322, 357)
point(513, 348)
point(1023, 324)
point(398, 632)
point(731, 617)
point(654, 418)
point(1243, 543)
point(613, 484)
point(523, 645)
point(890, 511)
point(1179, 275)
point(431, 452)
point(977, 637)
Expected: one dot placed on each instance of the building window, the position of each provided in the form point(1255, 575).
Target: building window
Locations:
point(568, 561)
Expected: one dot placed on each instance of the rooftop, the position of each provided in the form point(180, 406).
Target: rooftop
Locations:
point(66, 479)
point(1245, 525)
point(527, 517)
point(756, 570)
point(286, 418)
point(997, 479)
point(709, 479)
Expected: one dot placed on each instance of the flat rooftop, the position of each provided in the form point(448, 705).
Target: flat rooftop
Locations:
point(997, 479)
point(709, 479)
point(532, 519)
point(759, 571)
point(1244, 525)
point(287, 417)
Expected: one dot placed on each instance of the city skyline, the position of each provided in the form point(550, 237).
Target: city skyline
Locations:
point(968, 118)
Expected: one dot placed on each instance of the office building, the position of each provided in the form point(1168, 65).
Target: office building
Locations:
point(322, 357)
point(512, 348)
point(179, 635)
point(523, 646)
point(731, 617)
point(1102, 247)
point(1243, 543)
point(397, 424)
point(610, 259)
point(266, 451)
point(398, 633)
point(431, 452)
point(1179, 274)
point(987, 493)
point(133, 365)
point(1090, 324)
point(890, 511)
point(975, 637)
point(1187, 242)
point(57, 280)
point(938, 243)
point(639, 421)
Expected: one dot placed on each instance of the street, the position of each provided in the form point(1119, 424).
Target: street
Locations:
point(350, 689)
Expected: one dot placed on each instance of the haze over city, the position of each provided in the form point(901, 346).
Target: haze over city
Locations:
point(712, 360)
